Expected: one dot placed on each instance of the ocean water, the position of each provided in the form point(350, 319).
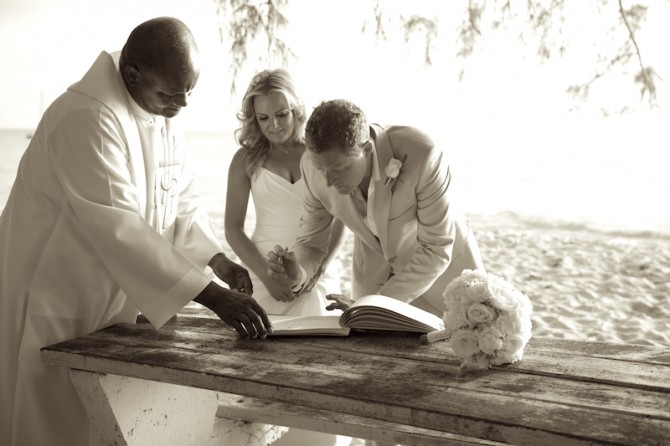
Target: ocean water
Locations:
point(601, 175)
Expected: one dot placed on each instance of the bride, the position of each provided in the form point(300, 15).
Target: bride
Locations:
point(267, 166)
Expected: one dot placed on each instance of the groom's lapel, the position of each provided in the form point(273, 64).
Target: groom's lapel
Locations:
point(353, 219)
point(382, 194)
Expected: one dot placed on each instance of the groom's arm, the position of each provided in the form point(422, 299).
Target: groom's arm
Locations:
point(316, 224)
point(436, 232)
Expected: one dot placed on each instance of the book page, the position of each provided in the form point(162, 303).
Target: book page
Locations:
point(377, 312)
point(307, 325)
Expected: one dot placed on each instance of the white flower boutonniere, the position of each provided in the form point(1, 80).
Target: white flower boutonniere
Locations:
point(392, 171)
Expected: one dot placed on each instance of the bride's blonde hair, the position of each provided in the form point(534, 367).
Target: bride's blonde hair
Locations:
point(249, 135)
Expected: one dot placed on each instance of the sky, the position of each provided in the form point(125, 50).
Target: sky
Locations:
point(48, 45)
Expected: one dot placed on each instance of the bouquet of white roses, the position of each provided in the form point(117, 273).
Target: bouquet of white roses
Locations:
point(487, 320)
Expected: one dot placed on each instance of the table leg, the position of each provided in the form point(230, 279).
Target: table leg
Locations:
point(126, 411)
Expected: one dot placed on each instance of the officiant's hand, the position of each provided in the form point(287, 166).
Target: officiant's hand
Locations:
point(236, 309)
point(233, 274)
point(341, 302)
point(283, 266)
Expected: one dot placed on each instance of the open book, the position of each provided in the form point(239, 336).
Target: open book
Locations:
point(373, 312)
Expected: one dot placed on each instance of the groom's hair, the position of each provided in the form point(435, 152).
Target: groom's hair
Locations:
point(337, 124)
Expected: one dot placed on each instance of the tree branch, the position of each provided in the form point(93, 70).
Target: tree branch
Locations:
point(645, 74)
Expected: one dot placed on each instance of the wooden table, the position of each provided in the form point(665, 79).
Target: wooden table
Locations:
point(372, 385)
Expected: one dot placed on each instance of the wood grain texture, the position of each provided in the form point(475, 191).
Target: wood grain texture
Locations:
point(236, 407)
point(563, 392)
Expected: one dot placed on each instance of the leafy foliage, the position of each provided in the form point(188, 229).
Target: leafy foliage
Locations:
point(246, 21)
point(543, 24)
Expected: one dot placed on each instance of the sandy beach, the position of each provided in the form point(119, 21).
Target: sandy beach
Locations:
point(584, 285)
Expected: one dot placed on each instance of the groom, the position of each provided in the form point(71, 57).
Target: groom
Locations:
point(390, 187)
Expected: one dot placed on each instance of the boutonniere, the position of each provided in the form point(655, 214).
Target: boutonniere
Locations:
point(392, 171)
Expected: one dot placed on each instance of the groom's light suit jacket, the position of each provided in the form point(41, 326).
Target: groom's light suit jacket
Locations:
point(423, 240)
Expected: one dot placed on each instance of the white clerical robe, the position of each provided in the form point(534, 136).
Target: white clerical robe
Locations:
point(86, 241)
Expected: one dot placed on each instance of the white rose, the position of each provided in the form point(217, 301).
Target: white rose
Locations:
point(456, 297)
point(471, 276)
point(513, 343)
point(464, 343)
point(490, 340)
point(507, 324)
point(392, 169)
point(477, 362)
point(454, 287)
point(502, 297)
point(454, 320)
point(511, 351)
point(477, 314)
point(479, 292)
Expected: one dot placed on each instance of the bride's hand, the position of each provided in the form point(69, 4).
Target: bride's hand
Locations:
point(283, 266)
point(279, 291)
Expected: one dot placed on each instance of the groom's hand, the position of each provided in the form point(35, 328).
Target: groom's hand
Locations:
point(340, 302)
point(283, 266)
point(233, 274)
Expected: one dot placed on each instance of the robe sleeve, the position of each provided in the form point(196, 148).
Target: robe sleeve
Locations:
point(193, 233)
point(436, 232)
point(91, 159)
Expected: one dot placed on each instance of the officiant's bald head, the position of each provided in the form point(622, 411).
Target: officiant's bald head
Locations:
point(159, 64)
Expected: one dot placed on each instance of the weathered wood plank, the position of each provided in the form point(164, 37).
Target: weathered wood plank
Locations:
point(544, 387)
point(198, 318)
point(624, 352)
point(582, 364)
point(204, 321)
point(301, 374)
point(308, 418)
point(480, 423)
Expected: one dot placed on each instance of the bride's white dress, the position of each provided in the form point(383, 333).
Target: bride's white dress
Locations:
point(278, 205)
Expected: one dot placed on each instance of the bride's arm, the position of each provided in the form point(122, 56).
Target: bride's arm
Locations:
point(237, 201)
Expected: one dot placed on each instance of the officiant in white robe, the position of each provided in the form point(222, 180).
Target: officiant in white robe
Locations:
point(102, 222)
